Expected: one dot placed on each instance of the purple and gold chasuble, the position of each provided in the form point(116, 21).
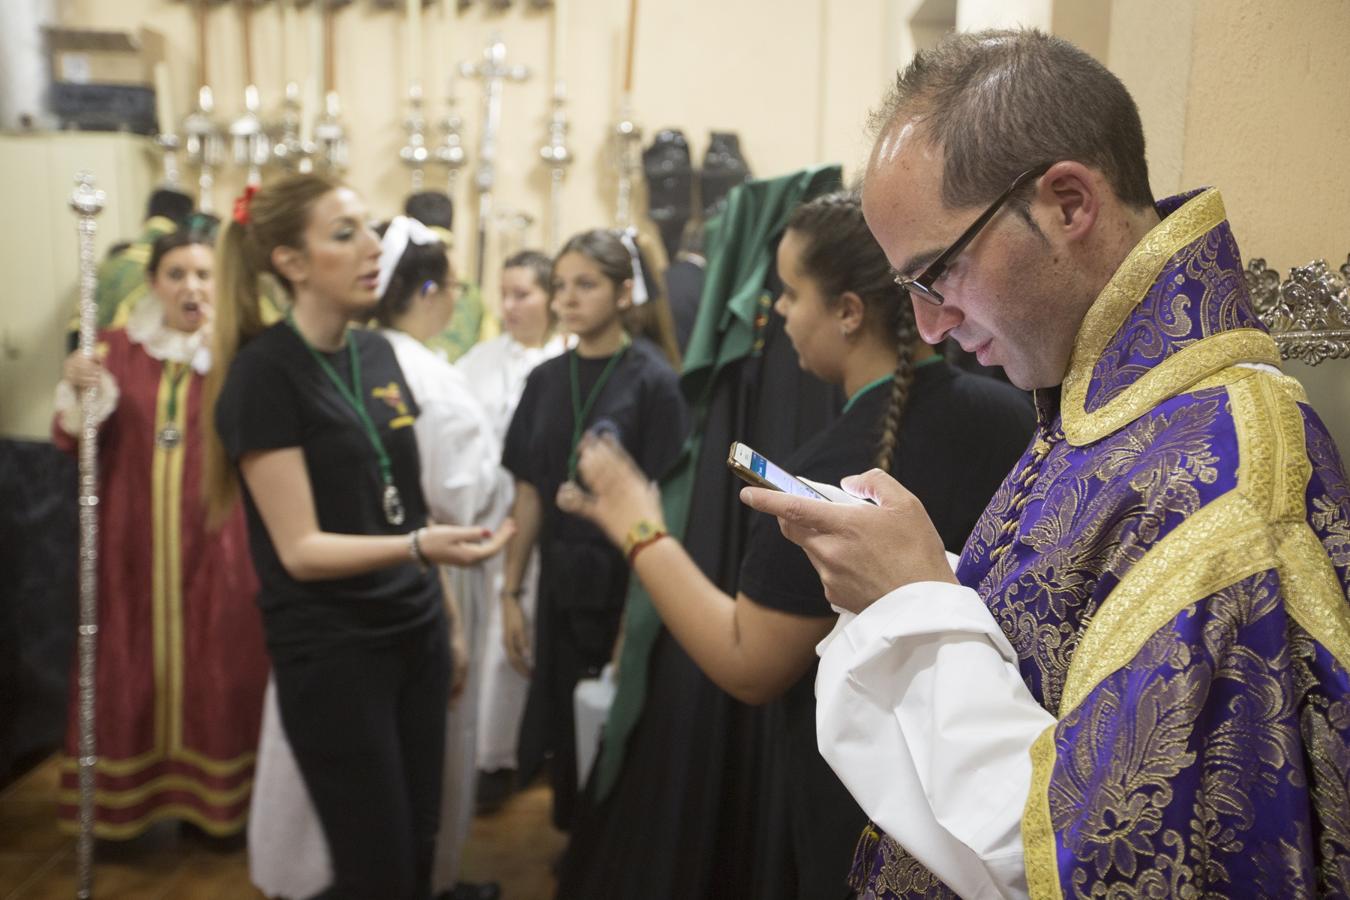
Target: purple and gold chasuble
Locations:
point(1169, 560)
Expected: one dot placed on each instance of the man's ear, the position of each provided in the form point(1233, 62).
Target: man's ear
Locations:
point(1074, 194)
point(851, 311)
point(291, 263)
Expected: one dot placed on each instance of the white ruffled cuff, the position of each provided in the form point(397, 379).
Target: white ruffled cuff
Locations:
point(69, 414)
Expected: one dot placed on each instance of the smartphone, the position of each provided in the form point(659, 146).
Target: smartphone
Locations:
point(756, 469)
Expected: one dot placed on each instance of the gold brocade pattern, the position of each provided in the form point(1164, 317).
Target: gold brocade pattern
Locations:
point(1329, 778)
point(895, 873)
point(1241, 555)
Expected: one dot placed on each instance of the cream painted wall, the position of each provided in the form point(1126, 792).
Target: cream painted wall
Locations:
point(1254, 98)
point(794, 77)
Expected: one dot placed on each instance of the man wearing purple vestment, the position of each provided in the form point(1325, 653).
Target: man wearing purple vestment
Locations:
point(1133, 681)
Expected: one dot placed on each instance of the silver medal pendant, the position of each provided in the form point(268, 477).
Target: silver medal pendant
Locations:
point(169, 437)
point(393, 505)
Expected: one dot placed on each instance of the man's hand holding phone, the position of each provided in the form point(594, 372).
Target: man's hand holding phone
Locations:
point(862, 551)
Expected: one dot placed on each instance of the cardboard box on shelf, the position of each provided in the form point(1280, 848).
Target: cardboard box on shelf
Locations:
point(85, 56)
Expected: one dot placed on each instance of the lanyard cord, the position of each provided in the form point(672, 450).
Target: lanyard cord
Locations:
point(579, 410)
point(171, 413)
point(352, 395)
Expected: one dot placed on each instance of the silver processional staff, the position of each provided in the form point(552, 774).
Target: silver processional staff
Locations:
point(87, 202)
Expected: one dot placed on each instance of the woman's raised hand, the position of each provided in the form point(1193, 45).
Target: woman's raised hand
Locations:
point(463, 545)
point(619, 494)
point(81, 371)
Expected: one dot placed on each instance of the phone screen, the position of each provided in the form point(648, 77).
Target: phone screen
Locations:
point(756, 462)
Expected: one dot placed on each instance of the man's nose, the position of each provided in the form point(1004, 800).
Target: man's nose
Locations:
point(935, 322)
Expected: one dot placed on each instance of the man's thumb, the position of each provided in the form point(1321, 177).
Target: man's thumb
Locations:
point(877, 486)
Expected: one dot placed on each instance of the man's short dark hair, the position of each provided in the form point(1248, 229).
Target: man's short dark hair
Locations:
point(170, 204)
point(431, 208)
point(1002, 102)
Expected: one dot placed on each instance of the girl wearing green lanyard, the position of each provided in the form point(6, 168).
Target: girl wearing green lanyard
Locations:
point(316, 418)
point(907, 411)
point(620, 385)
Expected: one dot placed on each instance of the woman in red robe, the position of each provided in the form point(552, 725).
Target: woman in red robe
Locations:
point(181, 662)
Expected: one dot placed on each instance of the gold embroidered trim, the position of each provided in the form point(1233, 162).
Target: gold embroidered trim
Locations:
point(1127, 287)
point(1313, 592)
point(122, 768)
point(1260, 524)
point(1038, 832)
point(114, 799)
point(1174, 375)
point(1221, 544)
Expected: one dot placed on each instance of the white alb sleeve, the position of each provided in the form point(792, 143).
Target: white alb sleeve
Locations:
point(462, 477)
point(923, 715)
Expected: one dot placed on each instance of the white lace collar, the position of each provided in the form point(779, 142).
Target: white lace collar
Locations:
point(146, 327)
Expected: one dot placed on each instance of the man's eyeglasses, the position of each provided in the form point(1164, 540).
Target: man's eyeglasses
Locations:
point(921, 285)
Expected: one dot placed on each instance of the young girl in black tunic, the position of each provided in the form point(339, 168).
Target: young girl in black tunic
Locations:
point(624, 387)
point(316, 418)
point(908, 411)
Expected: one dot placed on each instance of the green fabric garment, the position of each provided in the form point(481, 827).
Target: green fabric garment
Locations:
point(465, 326)
point(740, 245)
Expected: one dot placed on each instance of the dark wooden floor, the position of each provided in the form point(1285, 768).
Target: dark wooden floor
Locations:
point(516, 846)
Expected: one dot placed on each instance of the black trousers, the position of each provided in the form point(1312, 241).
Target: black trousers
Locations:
point(367, 726)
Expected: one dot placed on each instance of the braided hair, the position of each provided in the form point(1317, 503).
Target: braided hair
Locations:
point(842, 256)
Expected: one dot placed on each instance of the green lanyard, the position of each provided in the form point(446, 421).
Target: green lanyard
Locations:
point(169, 436)
point(579, 410)
point(393, 504)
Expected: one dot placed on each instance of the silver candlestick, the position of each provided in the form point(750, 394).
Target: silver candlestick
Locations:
point(168, 146)
point(330, 137)
point(628, 161)
point(87, 203)
point(557, 157)
point(289, 151)
point(415, 154)
point(450, 152)
point(205, 145)
point(251, 142)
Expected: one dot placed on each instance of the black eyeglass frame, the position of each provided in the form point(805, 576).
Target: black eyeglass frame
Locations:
point(922, 284)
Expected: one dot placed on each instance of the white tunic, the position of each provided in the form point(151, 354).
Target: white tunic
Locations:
point(464, 484)
point(496, 371)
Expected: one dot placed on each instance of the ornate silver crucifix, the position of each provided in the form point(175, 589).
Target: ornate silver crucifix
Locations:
point(491, 71)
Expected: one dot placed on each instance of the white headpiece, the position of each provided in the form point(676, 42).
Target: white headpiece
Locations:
point(629, 238)
point(402, 231)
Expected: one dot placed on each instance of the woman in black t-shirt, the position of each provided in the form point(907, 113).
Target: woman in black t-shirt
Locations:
point(628, 389)
point(907, 411)
point(316, 418)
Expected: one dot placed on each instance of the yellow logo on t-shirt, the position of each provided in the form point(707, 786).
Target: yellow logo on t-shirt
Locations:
point(393, 398)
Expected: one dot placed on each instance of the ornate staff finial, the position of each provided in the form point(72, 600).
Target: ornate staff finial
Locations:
point(87, 202)
point(1309, 313)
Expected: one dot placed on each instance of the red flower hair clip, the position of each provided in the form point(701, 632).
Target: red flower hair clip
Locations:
point(242, 204)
